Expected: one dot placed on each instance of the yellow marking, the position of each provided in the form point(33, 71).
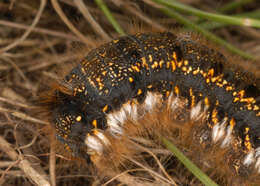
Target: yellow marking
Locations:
point(167, 94)
point(195, 72)
point(211, 72)
point(186, 62)
point(249, 107)
point(189, 70)
point(247, 143)
point(105, 108)
point(95, 132)
point(115, 41)
point(184, 69)
point(161, 63)
point(75, 91)
point(214, 116)
point(174, 56)
point(256, 107)
point(150, 58)
point(83, 70)
point(192, 98)
point(229, 88)
point(247, 139)
point(144, 62)
point(131, 79)
point(236, 99)
point(67, 118)
point(206, 101)
point(79, 90)
point(155, 65)
point(78, 118)
point(104, 73)
point(91, 82)
point(176, 90)
point(214, 79)
point(101, 86)
point(106, 91)
point(168, 64)
point(248, 100)
point(149, 86)
point(139, 92)
point(232, 123)
point(135, 68)
point(179, 64)
point(129, 69)
point(241, 93)
point(98, 79)
point(94, 123)
point(173, 66)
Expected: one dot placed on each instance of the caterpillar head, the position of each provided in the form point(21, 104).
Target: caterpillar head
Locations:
point(75, 124)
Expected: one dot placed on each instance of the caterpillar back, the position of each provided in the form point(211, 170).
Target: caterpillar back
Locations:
point(119, 84)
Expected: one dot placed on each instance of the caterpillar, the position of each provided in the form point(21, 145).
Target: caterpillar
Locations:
point(130, 77)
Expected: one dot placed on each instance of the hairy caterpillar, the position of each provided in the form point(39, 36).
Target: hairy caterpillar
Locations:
point(130, 77)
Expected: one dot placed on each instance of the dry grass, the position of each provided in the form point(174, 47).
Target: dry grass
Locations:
point(37, 39)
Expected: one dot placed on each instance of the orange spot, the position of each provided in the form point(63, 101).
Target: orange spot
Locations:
point(139, 92)
point(176, 90)
point(206, 101)
point(173, 66)
point(144, 62)
point(105, 108)
point(161, 63)
point(135, 68)
point(95, 132)
point(78, 118)
point(131, 79)
point(179, 64)
point(232, 123)
point(192, 98)
point(211, 72)
point(149, 86)
point(236, 99)
point(94, 123)
point(174, 56)
point(186, 62)
point(104, 73)
point(214, 116)
point(167, 93)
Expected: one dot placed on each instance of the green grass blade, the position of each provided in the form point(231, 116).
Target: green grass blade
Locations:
point(188, 164)
point(233, 5)
point(109, 16)
point(210, 16)
point(213, 25)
